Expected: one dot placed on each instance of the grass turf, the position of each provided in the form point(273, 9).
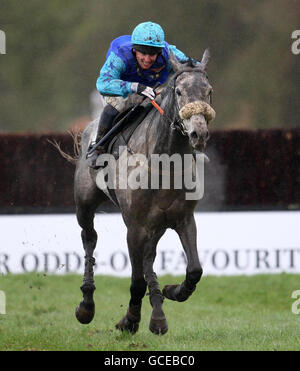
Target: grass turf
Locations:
point(224, 313)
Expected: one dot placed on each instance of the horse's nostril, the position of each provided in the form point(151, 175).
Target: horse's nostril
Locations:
point(194, 135)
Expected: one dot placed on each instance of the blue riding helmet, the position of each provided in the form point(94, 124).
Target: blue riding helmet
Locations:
point(149, 34)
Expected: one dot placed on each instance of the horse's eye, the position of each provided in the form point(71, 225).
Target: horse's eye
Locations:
point(178, 92)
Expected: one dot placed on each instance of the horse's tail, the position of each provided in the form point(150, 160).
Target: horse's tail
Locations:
point(76, 147)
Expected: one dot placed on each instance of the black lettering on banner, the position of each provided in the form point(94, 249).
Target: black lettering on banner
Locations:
point(261, 257)
point(3, 264)
point(47, 267)
point(237, 255)
point(225, 258)
point(203, 255)
point(292, 260)
point(277, 258)
point(116, 257)
point(165, 259)
point(30, 260)
point(181, 261)
point(68, 266)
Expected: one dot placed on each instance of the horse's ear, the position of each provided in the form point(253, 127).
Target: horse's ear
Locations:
point(205, 59)
point(176, 66)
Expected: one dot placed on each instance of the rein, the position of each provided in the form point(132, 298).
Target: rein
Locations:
point(174, 124)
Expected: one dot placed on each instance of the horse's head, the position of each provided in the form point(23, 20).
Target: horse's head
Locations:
point(192, 94)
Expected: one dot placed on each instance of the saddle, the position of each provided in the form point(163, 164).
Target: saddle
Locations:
point(121, 138)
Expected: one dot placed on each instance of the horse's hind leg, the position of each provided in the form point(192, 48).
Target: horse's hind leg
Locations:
point(188, 236)
point(85, 216)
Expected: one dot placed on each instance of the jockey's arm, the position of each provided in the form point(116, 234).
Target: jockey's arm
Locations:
point(109, 81)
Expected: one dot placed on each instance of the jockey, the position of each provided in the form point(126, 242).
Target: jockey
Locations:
point(134, 64)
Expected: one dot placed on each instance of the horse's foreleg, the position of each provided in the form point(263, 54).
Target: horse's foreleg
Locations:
point(188, 236)
point(130, 322)
point(158, 323)
point(86, 309)
point(142, 251)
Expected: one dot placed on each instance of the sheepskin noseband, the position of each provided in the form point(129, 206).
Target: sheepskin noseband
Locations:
point(197, 108)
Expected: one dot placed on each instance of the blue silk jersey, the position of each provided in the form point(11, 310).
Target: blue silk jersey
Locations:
point(121, 68)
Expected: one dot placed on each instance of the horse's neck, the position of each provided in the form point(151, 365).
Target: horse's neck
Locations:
point(169, 141)
point(165, 139)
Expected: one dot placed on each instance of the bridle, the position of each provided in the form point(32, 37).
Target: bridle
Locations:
point(177, 123)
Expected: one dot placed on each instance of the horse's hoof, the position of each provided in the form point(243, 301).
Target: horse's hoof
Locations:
point(170, 292)
point(85, 313)
point(126, 325)
point(158, 323)
point(158, 326)
point(177, 292)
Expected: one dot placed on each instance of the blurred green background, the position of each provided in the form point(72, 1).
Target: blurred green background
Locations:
point(54, 50)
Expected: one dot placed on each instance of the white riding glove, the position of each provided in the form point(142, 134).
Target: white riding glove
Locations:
point(143, 90)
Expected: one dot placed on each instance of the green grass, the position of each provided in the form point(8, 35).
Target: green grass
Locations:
point(224, 313)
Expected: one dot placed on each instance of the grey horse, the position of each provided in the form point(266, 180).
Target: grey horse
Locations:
point(147, 213)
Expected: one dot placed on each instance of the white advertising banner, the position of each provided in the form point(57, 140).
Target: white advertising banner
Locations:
point(229, 243)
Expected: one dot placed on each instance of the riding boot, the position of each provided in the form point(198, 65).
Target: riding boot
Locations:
point(107, 117)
